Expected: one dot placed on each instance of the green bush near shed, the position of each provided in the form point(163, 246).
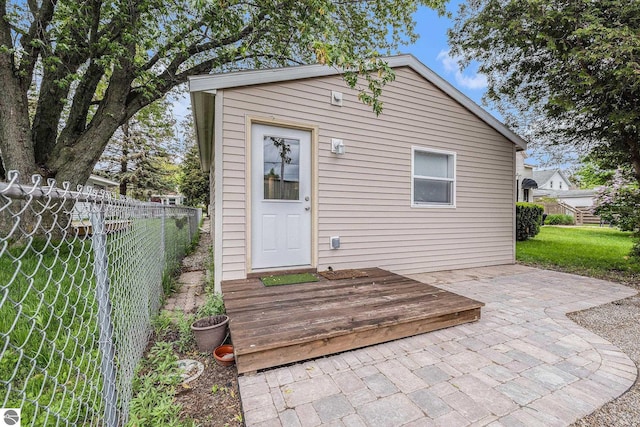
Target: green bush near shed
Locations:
point(559, 219)
point(528, 220)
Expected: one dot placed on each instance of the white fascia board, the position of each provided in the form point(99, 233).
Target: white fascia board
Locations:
point(254, 77)
point(562, 175)
point(247, 78)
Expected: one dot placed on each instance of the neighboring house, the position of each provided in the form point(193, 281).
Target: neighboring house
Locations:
point(101, 183)
point(305, 176)
point(552, 179)
point(80, 211)
point(525, 183)
point(575, 198)
point(168, 199)
point(553, 184)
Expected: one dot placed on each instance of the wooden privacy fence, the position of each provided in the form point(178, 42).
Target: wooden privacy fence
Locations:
point(582, 214)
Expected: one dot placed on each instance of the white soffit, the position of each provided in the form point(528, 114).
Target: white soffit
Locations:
point(203, 110)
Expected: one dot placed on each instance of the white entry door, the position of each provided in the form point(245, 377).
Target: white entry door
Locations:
point(280, 197)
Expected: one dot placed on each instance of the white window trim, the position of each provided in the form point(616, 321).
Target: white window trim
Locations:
point(454, 179)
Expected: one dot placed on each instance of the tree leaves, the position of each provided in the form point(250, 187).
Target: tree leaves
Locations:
point(122, 55)
point(194, 183)
point(572, 64)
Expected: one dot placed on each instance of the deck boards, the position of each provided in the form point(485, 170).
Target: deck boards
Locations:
point(271, 326)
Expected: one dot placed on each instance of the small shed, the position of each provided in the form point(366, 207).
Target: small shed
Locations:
point(97, 183)
point(101, 183)
point(304, 176)
point(172, 199)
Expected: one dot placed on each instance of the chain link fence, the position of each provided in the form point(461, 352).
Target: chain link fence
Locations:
point(81, 276)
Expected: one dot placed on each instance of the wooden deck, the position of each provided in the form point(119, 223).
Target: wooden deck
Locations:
point(273, 326)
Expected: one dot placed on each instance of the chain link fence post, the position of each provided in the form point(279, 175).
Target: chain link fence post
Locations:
point(105, 343)
point(163, 244)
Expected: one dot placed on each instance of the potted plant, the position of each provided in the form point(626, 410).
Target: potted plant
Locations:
point(210, 327)
point(210, 331)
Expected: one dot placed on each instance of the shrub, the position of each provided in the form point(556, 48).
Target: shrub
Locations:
point(528, 220)
point(559, 219)
point(618, 203)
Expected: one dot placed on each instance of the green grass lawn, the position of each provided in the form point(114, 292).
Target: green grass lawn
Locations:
point(591, 251)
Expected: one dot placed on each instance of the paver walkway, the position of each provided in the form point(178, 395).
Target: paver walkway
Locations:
point(191, 283)
point(524, 364)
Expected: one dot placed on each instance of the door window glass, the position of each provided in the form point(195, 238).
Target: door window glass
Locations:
point(281, 168)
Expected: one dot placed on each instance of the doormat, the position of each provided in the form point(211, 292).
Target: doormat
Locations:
point(288, 279)
point(343, 274)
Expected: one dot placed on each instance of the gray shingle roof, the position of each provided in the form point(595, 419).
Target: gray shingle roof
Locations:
point(543, 176)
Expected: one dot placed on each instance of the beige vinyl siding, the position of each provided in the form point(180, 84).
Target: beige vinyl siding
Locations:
point(365, 194)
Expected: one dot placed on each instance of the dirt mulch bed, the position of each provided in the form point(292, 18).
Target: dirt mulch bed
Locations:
point(212, 399)
point(619, 323)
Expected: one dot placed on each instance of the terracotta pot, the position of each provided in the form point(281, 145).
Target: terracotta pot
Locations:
point(210, 332)
point(224, 355)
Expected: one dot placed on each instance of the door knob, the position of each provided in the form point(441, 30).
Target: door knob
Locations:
point(308, 208)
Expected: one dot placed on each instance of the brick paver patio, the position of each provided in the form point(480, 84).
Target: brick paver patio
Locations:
point(191, 283)
point(524, 364)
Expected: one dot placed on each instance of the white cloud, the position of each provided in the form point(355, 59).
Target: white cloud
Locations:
point(450, 63)
point(467, 81)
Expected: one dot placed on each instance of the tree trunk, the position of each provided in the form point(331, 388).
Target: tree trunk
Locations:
point(15, 132)
point(15, 129)
point(635, 158)
point(74, 161)
point(17, 154)
point(74, 157)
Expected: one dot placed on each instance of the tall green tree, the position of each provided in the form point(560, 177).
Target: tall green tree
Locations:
point(64, 51)
point(141, 151)
point(591, 175)
point(193, 182)
point(566, 71)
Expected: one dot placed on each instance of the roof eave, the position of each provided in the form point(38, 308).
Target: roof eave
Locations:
point(205, 83)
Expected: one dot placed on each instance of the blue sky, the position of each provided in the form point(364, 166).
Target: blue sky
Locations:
point(433, 51)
